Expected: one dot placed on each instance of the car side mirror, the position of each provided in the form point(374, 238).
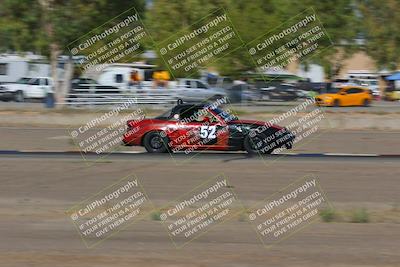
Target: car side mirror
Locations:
point(343, 93)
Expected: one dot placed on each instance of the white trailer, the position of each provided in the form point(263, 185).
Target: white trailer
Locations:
point(13, 67)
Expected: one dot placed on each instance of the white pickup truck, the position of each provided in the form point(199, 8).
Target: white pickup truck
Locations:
point(24, 88)
point(194, 90)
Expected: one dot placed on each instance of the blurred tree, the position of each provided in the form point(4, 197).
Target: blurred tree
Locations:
point(48, 26)
point(19, 20)
point(251, 19)
point(166, 18)
point(254, 18)
point(380, 27)
point(341, 23)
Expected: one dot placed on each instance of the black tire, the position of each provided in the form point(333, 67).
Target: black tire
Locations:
point(155, 143)
point(366, 103)
point(336, 103)
point(19, 96)
point(256, 144)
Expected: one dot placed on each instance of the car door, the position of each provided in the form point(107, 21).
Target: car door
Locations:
point(179, 127)
point(351, 96)
point(358, 97)
point(23, 83)
point(213, 132)
point(186, 91)
point(45, 87)
point(193, 93)
point(204, 131)
point(33, 90)
point(345, 97)
point(201, 91)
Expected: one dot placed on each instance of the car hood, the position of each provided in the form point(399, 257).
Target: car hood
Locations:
point(217, 89)
point(11, 86)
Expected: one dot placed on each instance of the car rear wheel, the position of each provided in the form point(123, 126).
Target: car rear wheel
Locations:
point(19, 96)
point(256, 144)
point(154, 142)
point(366, 103)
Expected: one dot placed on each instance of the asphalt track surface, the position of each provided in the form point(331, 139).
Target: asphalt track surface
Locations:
point(333, 141)
point(37, 188)
point(39, 183)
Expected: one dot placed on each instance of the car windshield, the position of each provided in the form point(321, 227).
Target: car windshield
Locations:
point(225, 115)
point(34, 82)
point(87, 81)
point(23, 80)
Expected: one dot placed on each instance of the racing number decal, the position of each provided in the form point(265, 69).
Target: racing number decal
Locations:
point(208, 132)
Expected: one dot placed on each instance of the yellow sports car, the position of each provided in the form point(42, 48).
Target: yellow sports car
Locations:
point(392, 95)
point(346, 96)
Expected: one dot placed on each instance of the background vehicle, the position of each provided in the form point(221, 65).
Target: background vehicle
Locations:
point(194, 90)
point(188, 127)
point(248, 93)
point(90, 85)
point(293, 88)
point(366, 79)
point(392, 94)
point(28, 88)
point(280, 92)
point(338, 83)
point(370, 84)
point(346, 96)
point(86, 90)
point(75, 83)
point(8, 91)
point(219, 82)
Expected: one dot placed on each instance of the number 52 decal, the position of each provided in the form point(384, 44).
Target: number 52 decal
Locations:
point(208, 132)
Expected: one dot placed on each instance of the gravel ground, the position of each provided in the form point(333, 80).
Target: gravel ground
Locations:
point(35, 231)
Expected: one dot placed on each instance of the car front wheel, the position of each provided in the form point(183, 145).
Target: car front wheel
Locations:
point(19, 96)
point(256, 144)
point(154, 142)
point(336, 103)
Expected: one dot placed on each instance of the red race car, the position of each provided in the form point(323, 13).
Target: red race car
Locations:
point(189, 127)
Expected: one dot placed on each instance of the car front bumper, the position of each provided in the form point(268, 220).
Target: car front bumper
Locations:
point(290, 140)
point(6, 95)
point(323, 102)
